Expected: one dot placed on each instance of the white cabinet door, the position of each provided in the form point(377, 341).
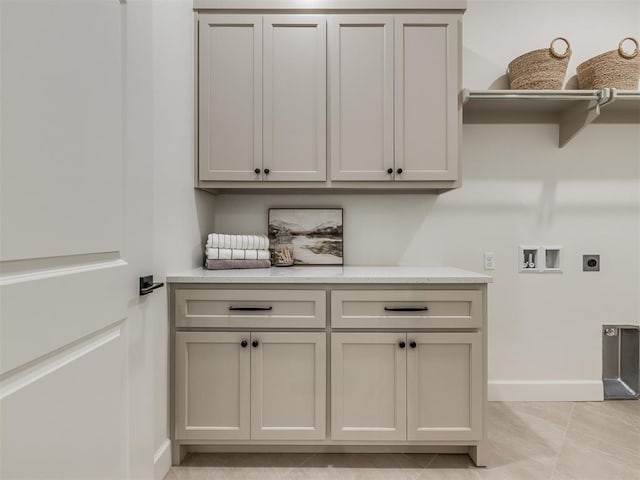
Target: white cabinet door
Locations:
point(230, 97)
point(444, 386)
point(295, 98)
point(427, 84)
point(361, 97)
point(212, 385)
point(288, 386)
point(368, 386)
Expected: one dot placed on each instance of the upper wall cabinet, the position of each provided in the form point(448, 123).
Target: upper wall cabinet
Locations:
point(262, 97)
point(394, 97)
point(361, 82)
point(364, 100)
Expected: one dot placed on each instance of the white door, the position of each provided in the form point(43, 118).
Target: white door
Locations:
point(295, 97)
point(368, 386)
point(444, 386)
point(75, 385)
point(361, 97)
point(288, 385)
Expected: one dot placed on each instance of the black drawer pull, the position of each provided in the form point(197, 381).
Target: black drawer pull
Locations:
point(406, 309)
point(250, 309)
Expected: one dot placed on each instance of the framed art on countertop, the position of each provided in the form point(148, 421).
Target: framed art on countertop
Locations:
point(316, 233)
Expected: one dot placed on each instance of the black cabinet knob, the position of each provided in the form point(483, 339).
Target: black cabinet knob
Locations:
point(401, 344)
point(399, 171)
point(412, 344)
point(257, 170)
point(389, 171)
point(244, 343)
point(255, 343)
point(266, 171)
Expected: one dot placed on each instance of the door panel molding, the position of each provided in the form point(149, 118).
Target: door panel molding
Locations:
point(31, 269)
point(24, 376)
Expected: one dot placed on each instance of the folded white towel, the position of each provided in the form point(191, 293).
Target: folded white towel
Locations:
point(241, 242)
point(222, 254)
point(237, 254)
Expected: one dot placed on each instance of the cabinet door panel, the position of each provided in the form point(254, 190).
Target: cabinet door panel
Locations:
point(230, 97)
point(426, 87)
point(288, 386)
point(361, 97)
point(212, 386)
point(295, 97)
point(444, 386)
point(368, 386)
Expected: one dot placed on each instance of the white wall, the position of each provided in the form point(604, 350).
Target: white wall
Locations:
point(518, 188)
point(182, 215)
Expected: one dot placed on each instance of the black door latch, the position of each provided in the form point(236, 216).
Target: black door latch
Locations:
point(147, 286)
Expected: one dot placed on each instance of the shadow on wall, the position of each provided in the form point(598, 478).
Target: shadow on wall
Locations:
point(204, 205)
point(379, 228)
point(518, 172)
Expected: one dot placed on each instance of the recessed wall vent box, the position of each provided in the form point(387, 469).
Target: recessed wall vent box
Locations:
point(621, 362)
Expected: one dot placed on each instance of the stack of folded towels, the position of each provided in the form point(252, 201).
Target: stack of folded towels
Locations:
point(224, 251)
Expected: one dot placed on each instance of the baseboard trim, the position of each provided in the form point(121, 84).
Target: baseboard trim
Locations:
point(328, 448)
point(545, 391)
point(162, 460)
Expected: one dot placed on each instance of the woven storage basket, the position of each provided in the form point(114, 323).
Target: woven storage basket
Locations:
point(542, 69)
point(614, 69)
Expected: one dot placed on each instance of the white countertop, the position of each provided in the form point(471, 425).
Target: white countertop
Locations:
point(347, 274)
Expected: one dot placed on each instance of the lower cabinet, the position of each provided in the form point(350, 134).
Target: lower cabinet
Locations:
point(406, 367)
point(250, 385)
point(406, 386)
point(368, 386)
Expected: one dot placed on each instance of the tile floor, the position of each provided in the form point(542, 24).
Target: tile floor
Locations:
point(537, 441)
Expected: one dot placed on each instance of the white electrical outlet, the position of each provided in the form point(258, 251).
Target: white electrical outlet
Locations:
point(489, 260)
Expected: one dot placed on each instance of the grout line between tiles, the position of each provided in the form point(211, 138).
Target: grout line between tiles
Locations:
point(564, 440)
point(431, 461)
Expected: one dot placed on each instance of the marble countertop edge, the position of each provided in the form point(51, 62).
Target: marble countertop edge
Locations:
point(332, 275)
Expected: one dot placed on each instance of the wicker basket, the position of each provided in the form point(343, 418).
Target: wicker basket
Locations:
point(614, 69)
point(542, 69)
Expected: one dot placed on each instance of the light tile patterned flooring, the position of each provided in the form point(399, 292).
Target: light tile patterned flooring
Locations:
point(537, 441)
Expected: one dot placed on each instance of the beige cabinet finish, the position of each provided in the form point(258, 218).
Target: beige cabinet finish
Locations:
point(258, 385)
point(229, 96)
point(262, 97)
point(367, 309)
point(294, 98)
point(427, 84)
point(402, 376)
point(250, 308)
point(394, 97)
point(444, 386)
point(212, 385)
point(349, 101)
point(288, 386)
point(368, 386)
point(414, 386)
point(361, 82)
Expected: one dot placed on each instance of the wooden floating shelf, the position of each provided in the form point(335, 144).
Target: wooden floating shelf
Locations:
point(572, 110)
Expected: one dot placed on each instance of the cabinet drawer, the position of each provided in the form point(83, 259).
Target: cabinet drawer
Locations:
point(251, 308)
point(406, 309)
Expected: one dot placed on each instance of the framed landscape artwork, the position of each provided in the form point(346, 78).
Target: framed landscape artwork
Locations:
point(316, 233)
